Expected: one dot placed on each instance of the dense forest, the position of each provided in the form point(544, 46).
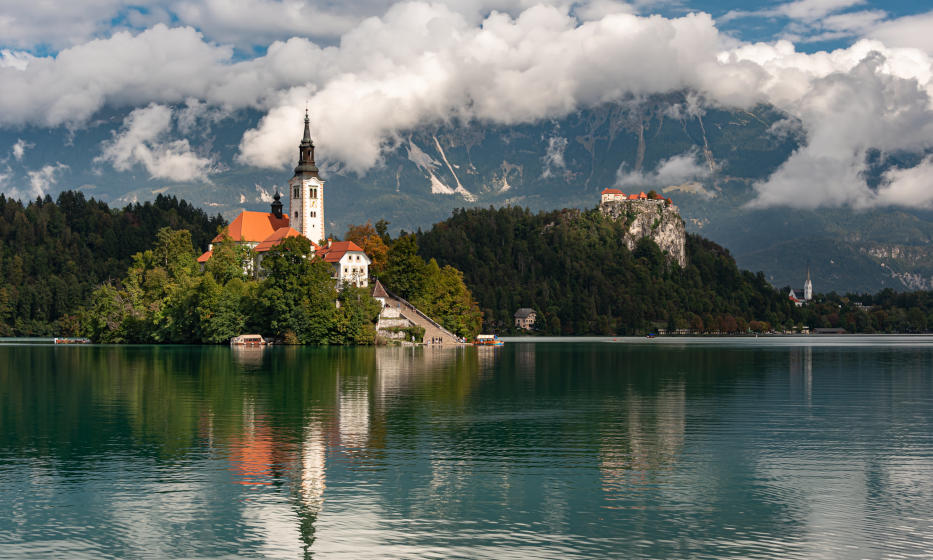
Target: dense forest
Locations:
point(54, 253)
point(573, 268)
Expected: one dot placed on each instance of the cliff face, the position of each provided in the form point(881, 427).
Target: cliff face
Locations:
point(651, 218)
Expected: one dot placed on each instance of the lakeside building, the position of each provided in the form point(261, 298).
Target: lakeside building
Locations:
point(525, 318)
point(261, 231)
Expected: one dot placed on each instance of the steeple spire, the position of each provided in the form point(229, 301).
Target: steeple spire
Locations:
point(306, 151)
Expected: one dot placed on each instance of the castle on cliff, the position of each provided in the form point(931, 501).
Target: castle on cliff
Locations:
point(647, 215)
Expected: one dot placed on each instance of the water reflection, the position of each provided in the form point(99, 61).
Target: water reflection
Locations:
point(544, 450)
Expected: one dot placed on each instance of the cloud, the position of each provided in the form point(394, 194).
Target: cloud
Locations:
point(42, 180)
point(846, 114)
point(490, 61)
point(141, 140)
point(20, 147)
point(675, 170)
point(912, 187)
point(908, 31)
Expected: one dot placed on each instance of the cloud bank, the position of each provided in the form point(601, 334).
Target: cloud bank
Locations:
point(419, 62)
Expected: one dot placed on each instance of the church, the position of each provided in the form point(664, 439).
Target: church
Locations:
point(802, 296)
point(261, 231)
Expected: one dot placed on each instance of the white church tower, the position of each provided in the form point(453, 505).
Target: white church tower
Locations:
point(306, 196)
point(808, 287)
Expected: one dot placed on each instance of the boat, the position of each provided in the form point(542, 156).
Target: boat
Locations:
point(248, 340)
point(62, 340)
point(487, 340)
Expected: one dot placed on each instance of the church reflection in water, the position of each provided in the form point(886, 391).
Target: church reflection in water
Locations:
point(344, 419)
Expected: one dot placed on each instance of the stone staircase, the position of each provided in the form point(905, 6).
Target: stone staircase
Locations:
point(399, 313)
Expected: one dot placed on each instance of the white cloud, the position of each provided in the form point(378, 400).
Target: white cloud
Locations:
point(142, 141)
point(911, 187)
point(846, 114)
point(908, 31)
point(42, 180)
point(675, 170)
point(20, 147)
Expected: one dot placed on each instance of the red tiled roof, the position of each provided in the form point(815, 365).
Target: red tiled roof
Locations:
point(205, 257)
point(613, 191)
point(253, 227)
point(337, 250)
point(633, 197)
point(642, 195)
point(276, 238)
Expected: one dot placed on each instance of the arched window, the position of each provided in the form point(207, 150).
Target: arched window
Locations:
point(296, 192)
point(313, 192)
point(296, 214)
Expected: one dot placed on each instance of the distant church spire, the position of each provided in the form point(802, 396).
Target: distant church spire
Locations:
point(306, 151)
point(808, 286)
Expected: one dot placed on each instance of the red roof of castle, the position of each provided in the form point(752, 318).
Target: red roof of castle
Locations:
point(205, 257)
point(253, 227)
point(642, 195)
point(613, 191)
point(633, 197)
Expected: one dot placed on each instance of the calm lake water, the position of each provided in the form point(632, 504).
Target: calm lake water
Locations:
point(664, 448)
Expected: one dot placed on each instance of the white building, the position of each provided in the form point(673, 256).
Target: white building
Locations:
point(306, 192)
point(351, 265)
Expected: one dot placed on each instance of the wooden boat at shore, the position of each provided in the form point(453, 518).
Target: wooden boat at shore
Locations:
point(487, 340)
point(248, 340)
point(62, 340)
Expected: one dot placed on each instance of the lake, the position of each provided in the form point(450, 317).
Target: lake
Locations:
point(795, 447)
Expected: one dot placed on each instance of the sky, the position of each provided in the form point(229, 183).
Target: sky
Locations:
point(854, 77)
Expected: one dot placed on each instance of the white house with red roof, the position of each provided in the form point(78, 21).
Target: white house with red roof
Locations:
point(351, 265)
point(261, 231)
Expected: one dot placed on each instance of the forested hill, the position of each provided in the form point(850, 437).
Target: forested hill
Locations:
point(574, 269)
point(54, 253)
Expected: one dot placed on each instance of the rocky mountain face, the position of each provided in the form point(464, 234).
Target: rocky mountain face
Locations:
point(706, 159)
point(654, 219)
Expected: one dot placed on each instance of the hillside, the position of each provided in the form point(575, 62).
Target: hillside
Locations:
point(706, 157)
point(574, 267)
point(53, 254)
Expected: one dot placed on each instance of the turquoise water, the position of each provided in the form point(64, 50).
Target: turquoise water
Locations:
point(663, 448)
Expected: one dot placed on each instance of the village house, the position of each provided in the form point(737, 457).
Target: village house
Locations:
point(525, 318)
point(261, 231)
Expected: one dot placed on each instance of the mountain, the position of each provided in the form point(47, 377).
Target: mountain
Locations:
point(706, 158)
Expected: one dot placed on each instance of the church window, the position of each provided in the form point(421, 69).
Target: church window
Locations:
point(313, 192)
point(297, 192)
point(296, 214)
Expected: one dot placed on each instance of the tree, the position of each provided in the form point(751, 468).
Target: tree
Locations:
point(369, 239)
point(405, 269)
point(298, 294)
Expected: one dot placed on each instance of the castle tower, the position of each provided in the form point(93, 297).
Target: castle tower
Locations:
point(808, 287)
point(306, 191)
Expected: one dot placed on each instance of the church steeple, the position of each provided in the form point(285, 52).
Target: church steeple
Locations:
point(306, 152)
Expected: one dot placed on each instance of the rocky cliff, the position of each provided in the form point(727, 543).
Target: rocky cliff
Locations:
point(656, 219)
